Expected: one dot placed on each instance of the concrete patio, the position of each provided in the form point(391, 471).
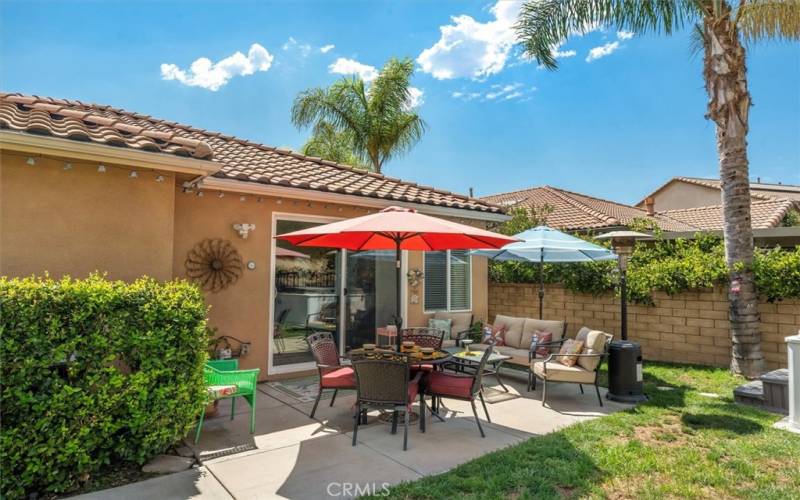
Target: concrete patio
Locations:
point(293, 456)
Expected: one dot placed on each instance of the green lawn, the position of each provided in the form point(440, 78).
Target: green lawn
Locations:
point(678, 444)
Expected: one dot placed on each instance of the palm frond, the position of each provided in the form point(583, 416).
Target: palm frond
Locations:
point(545, 24)
point(697, 40)
point(759, 20)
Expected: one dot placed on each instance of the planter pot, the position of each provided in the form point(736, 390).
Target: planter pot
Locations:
point(212, 410)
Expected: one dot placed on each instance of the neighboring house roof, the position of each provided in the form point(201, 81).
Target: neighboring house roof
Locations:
point(575, 211)
point(239, 159)
point(764, 214)
point(758, 190)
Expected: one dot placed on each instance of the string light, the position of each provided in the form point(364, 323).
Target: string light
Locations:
point(242, 198)
point(280, 201)
point(200, 194)
point(101, 168)
point(339, 209)
point(67, 166)
point(31, 161)
point(133, 174)
point(221, 195)
point(159, 178)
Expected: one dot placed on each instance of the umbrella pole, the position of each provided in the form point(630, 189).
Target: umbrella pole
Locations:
point(541, 284)
point(398, 305)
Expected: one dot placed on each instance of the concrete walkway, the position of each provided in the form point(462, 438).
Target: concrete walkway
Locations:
point(293, 456)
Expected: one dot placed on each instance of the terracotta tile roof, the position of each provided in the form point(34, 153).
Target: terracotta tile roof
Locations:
point(61, 119)
point(574, 211)
point(758, 190)
point(239, 159)
point(764, 214)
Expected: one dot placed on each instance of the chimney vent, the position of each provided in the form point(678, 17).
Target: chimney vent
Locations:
point(650, 205)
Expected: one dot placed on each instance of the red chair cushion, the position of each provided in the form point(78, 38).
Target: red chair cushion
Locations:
point(445, 384)
point(421, 368)
point(339, 378)
point(413, 391)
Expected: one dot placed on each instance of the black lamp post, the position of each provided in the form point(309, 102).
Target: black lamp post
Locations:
point(624, 357)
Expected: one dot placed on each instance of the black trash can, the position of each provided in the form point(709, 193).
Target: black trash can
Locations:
point(625, 372)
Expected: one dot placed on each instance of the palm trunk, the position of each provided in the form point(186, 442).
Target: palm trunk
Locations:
point(728, 106)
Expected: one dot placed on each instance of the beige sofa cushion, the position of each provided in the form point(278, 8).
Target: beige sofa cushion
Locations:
point(518, 356)
point(594, 343)
point(556, 372)
point(513, 334)
point(556, 328)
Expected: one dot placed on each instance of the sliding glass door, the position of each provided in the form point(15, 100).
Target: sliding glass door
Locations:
point(369, 295)
point(348, 294)
point(306, 293)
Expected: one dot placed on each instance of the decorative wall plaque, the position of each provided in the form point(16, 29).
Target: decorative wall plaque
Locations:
point(214, 264)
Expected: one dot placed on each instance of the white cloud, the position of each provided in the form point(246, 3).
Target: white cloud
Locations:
point(343, 66)
point(602, 51)
point(416, 97)
point(625, 35)
point(497, 93)
point(327, 48)
point(212, 76)
point(471, 49)
point(303, 48)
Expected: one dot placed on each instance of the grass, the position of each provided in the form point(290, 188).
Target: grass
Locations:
point(679, 444)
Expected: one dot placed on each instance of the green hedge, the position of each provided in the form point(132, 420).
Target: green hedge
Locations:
point(670, 266)
point(94, 372)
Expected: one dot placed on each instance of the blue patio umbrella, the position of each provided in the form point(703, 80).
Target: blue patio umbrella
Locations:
point(546, 245)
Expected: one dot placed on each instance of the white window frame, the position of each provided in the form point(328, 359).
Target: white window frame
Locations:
point(447, 292)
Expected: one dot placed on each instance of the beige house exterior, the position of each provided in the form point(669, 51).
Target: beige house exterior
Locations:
point(80, 203)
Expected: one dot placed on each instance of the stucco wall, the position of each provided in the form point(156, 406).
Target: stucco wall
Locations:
point(685, 195)
point(690, 327)
point(78, 221)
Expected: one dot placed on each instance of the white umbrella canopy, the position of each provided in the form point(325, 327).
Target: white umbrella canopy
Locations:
point(542, 245)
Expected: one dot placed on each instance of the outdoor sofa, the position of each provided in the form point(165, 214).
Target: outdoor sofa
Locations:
point(519, 334)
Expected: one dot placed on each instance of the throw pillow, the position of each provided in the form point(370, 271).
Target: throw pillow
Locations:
point(543, 338)
point(496, 335)
point(444, 325)
point(570, 347)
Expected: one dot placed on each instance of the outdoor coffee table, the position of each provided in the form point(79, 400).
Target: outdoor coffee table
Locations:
point(493, 364)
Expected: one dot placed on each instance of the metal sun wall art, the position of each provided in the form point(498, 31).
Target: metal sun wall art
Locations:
point(214, 264)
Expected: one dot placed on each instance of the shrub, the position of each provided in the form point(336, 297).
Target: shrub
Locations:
point(668, 266)
point(94, 372)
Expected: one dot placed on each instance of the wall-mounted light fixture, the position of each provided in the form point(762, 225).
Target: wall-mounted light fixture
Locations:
point(243, 229)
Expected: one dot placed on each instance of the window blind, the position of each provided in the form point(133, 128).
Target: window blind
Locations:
point(459, 280)
point(435, 281)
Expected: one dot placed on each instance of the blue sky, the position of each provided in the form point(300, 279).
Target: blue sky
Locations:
point(615, 126)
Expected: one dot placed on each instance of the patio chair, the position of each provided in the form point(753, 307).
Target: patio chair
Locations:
point(461, 386)
point(225, 381)
point(332, 374)
point(423, 336)
point(585, 371)
point(278, 333)
point(384, 384)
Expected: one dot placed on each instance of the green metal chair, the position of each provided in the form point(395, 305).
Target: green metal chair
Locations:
point(224, 375)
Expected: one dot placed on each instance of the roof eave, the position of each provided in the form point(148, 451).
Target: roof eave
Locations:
point(257, 188)
point(92, 151)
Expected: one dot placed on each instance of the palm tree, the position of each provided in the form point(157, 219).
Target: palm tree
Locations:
point(377, 118)
point(328, 143)
point(721, 28)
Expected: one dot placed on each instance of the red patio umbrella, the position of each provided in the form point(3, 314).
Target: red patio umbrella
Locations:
point(399, 229)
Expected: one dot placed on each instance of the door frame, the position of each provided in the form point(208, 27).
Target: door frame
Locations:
point(299, 217)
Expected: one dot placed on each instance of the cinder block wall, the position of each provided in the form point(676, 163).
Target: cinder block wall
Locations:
point(691, 327)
